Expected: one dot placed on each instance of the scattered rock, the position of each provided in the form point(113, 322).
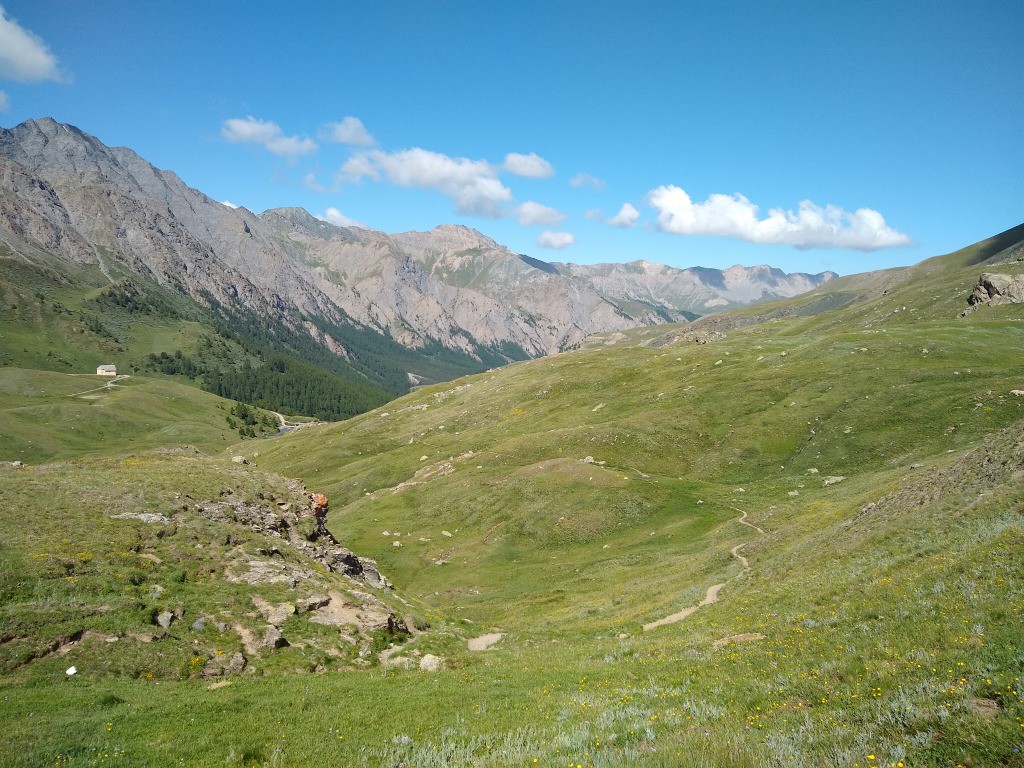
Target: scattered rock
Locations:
point(272, 638)
point(446, 533)
point(199, 624)
point(239, 459)
point(17, 464)
point(396, 544)
point(312, 603)
point(587, 460)
point(274, 614)
point(431, 663)
point(812, 471)
point(223, 665)
point(1017, 392)
point(71, 671)
point(164, 619)
point(832, 480)
point(155, 591)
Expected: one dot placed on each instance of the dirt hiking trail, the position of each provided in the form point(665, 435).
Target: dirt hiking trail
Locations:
point(711, 596)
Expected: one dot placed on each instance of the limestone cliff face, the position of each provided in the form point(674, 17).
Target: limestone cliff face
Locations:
point(65, 193)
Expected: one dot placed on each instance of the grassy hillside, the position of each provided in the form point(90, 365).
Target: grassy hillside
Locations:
point(70, 318)
point(837, 479)
point(47, 415)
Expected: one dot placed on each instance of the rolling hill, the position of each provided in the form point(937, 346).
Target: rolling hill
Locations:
point(832, 482)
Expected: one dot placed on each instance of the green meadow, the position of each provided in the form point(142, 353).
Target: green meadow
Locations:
point(841, 470)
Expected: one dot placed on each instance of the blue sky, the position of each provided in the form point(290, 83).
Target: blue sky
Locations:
point(805, 135)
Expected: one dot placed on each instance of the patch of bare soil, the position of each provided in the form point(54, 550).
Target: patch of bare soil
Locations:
point(483, 642)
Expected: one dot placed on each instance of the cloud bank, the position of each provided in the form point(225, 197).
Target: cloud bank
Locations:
point(267, 134)
point(24, 57)
point(472, 185)
point(811, 226)
point(349, 131)
point(530, 166)
point(556, 240)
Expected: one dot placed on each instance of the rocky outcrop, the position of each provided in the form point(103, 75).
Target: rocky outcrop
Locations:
point(305, 530)
point(994, 288)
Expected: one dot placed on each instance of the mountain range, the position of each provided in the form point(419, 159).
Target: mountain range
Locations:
point(64, 193)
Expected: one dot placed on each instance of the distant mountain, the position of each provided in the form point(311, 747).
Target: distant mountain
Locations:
point(64, 192)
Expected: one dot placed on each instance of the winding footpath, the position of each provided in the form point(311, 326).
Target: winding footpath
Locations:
point(108, 385)
point(711, 596)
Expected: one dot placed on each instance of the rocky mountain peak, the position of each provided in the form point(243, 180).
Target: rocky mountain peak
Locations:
point(447, 238)
point(301, 220)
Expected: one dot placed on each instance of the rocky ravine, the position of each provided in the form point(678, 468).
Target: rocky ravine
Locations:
point(64, 192)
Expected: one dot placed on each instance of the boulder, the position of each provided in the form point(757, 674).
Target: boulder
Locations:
point(223, 665)
point(272, 638)
point(993, 288)
point(312, 603)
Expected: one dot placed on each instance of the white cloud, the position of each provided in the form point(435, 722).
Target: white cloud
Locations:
point(811, 226)
point(586, 180)
point(594, 214)
point(4, 103)
point(530, 213)
point(627, 217)
point(556, 240)
point(24, 57)
point(349, 131)
point(531, 166)
point(228, 203)
point(336, 217)
point(267, 134)
point(472, 185)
